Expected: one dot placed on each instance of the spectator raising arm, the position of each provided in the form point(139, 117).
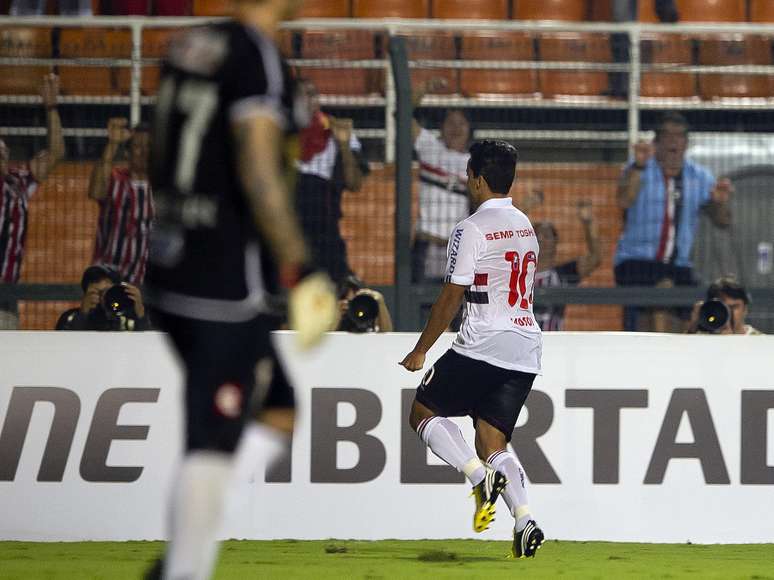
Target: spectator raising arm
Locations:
point(591, 260)
point(428, 86)
point(118, 133)
point(342, 133)
point(45, 161)
point(718, 208)
point(629, 184)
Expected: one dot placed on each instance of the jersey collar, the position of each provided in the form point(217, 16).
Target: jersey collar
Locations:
point(496, 202)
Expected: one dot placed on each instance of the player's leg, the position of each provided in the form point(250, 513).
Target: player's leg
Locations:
point(449, 389)
point(438, 398)
point(220, 360)
point(268, 437)
point(496, 419)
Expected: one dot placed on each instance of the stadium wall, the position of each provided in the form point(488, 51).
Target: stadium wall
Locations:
point(626, 437)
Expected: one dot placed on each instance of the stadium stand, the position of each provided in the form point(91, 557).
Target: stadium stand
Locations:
point(431, 45)
point(23, 43)
point(390, 8)
point(494, 46)
point(210, 7)
point(471, 9)
point(340, 45)
point(567, 10)
point(325, 9)
point(667, 49)
point(76, 43)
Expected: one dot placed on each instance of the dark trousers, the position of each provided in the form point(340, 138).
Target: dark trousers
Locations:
point(319, 210)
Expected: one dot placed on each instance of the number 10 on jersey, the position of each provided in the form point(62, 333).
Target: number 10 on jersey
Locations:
point(518, 281)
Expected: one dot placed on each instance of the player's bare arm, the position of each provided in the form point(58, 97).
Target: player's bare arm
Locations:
point(593, 257)
point(118, 133)
point(45, 161)
point(445, 308)
point(258, 166)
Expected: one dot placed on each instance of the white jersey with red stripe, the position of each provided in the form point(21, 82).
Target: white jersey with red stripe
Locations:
point(443, 199)
point(17, 187)
point(494, 252)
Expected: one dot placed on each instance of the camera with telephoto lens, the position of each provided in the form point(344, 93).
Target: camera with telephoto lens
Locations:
point(117, 303)
point(362, 312)
point(713, 315)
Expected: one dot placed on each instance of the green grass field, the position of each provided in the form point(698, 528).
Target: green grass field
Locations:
point(424, 559)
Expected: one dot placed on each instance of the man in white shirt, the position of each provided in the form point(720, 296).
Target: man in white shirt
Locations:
point(490, 368)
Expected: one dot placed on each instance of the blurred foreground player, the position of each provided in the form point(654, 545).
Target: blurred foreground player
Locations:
point(490, 368)
point(225, 108)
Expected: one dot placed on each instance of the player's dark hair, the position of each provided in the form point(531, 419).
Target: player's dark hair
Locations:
point(671, 118)
point(495, 161)
point(727, 286)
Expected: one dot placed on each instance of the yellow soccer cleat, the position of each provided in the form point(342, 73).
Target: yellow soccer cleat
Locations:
point(486, 494)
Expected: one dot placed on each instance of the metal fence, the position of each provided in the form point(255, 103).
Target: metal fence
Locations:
point(557, 90)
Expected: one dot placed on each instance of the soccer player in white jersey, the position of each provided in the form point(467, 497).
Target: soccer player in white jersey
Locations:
point(489, 370)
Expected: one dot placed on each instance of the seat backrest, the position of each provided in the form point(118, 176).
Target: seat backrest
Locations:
point(471, 9)
point(211, 7)
point(761, 11)
point(325, 9)
point(95, 43)
point(567, 10)
point(25, 42)
point(341, 44)
point(391, 8)
point(712, 10)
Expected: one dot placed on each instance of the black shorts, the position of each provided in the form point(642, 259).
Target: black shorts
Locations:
point(273, 389)
point(220, 360)
point(458, 385)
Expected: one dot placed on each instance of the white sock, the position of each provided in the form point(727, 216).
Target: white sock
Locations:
point(445, 439)
point(258, 449)
point(197, 508)
point(515, 493)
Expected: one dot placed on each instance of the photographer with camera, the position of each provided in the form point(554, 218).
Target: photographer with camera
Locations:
point(362, 309)
point(108, 303)
point(724, 310)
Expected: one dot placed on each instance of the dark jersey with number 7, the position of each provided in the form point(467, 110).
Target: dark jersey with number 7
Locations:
point(206, 259)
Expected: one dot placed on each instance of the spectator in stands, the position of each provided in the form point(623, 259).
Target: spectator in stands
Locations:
point(18, 185)
point(443, 198)
point(101, 310)
point(661, 194)
point(731, 293)
point(570, 273)
point(627, 11)
point(331, 161)
point(125, 202)
point(380, 321)
point(38, 7)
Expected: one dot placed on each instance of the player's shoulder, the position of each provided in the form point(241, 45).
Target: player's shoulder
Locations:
point(203, 50)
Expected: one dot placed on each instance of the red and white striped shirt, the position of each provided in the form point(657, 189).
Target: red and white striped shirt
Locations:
point(18, 186)
point(124, 225)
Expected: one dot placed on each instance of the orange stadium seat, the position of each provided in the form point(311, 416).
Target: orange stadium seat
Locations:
point(734, 50)
point(431, 45)
point(700, 11)
point(155, 42)
point(573, 47)
point(761, 11)
point(24, 43)
point(390, 8)
point(324, 9)
point(470, 9)
point(211, 7)
point(92, 43)
point(567, 10)
point(339, 45)
point(492, 45)
point(667, 49)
